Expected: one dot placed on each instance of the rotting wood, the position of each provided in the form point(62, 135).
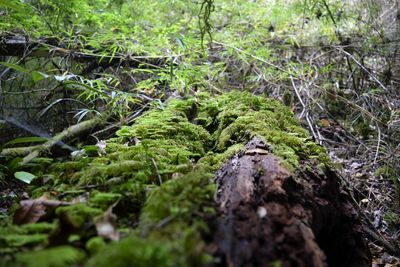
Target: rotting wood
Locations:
point(271, 216)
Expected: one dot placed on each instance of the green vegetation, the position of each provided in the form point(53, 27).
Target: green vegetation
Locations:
point(180, 86)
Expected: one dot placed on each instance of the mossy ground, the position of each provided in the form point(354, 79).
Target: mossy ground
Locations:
point(158, 176)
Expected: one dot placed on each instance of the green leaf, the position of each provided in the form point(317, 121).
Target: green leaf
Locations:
point(15, 5)
point(14, 67)
point(25, 177)
point(32, 139)
point(14, 164)
point(38, 76)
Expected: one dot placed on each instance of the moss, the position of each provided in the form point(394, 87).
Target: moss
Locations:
point(104, 200)
point(183, 198)
point(242, 116)
point(63, 256)
point(13, 236)
point(19, 240)
point(140, 252)
point(79, 214)
point(135, 251)
point(39, 227)
point(69, 165)
point(95, 244)
point(214, 160)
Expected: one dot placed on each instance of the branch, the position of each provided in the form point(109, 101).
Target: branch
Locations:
point(32, 152)
point(18, 46)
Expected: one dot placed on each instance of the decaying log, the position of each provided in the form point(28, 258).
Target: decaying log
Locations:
point(273, 217)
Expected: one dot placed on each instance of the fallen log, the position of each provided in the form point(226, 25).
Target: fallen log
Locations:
point(232, 180)
point(272, 216)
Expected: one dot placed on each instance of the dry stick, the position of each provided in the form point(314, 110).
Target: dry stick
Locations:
point(158, 172)
point(71, 131)
point(362, 66)
point(310, 124)
point(128, 120)
point(378, 144)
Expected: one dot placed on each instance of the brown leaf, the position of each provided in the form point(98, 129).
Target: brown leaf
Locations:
point(106, 225)
point(32, 210)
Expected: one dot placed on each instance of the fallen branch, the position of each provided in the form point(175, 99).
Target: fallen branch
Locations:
point(19, 46)
point(31, 152)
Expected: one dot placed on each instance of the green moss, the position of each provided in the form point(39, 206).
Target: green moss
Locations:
point(79, 214)
point(134, 251)
point(63, 256)
point(95, 244)
point(19, 240)
point(214, 160)
point(242, 116)
point(69, 165)
point(14, 236)
point(104, 200)
point(183, 198)
point(39, 227)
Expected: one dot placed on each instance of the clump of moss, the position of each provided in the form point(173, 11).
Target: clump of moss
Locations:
point(63, 256)
point(135, 251)
point(78, 214)
point(14, 237)
point(95, 244)
point(181, 199)
point(104, 200)
point(242, 116)
point(172, 220)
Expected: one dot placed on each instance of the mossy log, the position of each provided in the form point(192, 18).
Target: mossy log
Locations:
point(273, 216)
point(232, 180)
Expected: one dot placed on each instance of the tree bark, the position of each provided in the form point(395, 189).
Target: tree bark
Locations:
point(273, 217)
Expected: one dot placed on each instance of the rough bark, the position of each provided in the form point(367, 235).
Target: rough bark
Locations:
point(272, 217)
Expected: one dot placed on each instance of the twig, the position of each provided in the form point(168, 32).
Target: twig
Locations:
point(372, 234)
point(362, 67)
point(308, 119)
point(378, 144)
point(158, 172)
point(301, 79)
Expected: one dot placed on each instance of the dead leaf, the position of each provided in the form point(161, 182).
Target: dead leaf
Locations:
point(106, 225)
point(101, 147)
point(32, 210)
point(325, 123)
